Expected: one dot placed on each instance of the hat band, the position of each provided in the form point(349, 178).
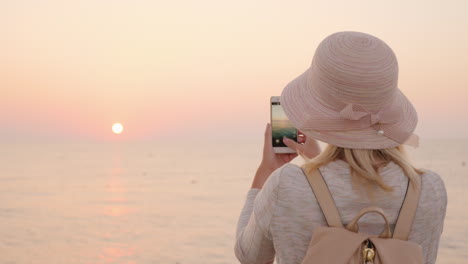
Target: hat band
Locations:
point(356, 117)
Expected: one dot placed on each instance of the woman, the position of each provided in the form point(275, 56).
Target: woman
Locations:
point(348, 98)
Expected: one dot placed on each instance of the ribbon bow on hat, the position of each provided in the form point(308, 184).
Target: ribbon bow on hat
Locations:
point(382, 117)
point(355, 117)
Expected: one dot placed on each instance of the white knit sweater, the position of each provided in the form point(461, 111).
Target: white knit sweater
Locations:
point(277, 222)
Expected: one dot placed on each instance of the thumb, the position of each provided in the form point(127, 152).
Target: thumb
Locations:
point(292, 144)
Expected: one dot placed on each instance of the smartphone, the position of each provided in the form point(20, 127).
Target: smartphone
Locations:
point(280, 127)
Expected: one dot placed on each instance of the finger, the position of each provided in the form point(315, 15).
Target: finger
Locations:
point(267, 145)
point(300, 138)
point(292, 144)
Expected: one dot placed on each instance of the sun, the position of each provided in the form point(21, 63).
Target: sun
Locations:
point(117, 128)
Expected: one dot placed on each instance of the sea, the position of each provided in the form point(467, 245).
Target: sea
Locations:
point(161, 202)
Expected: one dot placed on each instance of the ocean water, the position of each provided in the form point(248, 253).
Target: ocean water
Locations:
point(158, 203)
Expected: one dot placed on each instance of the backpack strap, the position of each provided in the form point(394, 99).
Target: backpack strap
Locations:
point(408, 210)
point(324, 198)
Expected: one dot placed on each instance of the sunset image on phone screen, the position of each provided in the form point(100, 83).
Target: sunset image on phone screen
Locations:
point(280, 126)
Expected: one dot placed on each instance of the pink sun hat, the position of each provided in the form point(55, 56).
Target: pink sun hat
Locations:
point(349, 96)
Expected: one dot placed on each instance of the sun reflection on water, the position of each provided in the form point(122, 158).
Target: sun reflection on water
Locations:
point(117, 255)
point(116, 209)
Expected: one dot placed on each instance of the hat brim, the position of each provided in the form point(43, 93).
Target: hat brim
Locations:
point(299, 104)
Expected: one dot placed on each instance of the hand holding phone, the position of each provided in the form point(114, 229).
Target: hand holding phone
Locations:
point(271, 161)
point(281, 127)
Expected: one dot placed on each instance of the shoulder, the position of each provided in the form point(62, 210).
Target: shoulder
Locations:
point(291, 176)
point(292, 185)
point(280, 181)
point(291, 169)
point(430, 175)
point(268, 194)
point(433, 187)
point(281, 176)
point(433, 180)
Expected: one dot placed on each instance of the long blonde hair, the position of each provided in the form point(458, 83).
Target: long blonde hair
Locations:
point(365, 164)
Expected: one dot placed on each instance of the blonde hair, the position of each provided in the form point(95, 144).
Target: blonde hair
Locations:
point(365, 164)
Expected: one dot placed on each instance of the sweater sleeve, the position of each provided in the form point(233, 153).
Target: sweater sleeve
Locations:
point(428, 226)
point(254, 242)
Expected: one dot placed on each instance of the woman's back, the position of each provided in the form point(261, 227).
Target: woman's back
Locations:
point(348, 98)
point(287, 212)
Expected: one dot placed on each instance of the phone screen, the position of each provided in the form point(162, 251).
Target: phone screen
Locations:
point(280, 126)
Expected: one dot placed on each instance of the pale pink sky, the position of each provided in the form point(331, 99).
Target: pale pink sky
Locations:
point(69, 69)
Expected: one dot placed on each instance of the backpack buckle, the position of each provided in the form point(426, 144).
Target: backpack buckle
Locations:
point(368, 253)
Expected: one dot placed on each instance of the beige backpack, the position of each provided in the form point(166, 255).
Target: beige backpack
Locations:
point(344, 245)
